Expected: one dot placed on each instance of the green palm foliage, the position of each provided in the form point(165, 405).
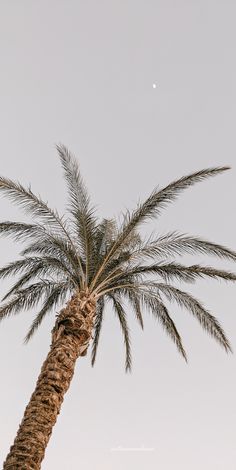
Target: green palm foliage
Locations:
point(113, 263)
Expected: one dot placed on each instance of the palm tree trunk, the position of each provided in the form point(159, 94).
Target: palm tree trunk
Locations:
point(70, 339)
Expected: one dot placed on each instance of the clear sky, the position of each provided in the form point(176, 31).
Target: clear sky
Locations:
point(82, 73)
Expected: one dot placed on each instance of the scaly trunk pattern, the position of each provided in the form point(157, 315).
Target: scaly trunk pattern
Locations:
point(70, 339)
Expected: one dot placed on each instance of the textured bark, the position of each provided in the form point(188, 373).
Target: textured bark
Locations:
point(70, 339)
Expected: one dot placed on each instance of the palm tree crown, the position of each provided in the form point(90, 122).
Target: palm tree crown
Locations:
point(110, 262)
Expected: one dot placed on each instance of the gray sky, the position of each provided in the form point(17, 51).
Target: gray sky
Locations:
point(82, 73)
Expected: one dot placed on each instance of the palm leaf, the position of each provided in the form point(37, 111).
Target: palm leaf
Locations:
point(80, 207)
point(41, 237)
point(20, 231)
point(97, 328)
point(106, 232)
point(119, 310)
point(25, 298)
point(173, 270)
point(55, 247)
point(152, 206)
point(209, 323)
point(159, 310)
point(41, 267)
point(174, 243)
point(206, 320)
point(16, 267)
point(57, 295)
point(135, 302)
point(32, 204)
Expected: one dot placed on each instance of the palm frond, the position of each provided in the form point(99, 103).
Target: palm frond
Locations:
point(174, 243)
point(195, 271)
point(160, 198)
point(28, 263)
point(114, 268)
point(19, 230)
point(67, 259)
point(105, 235)
point(135, 303)
point(32, 204)
point(23, 280)
point(44, 266)
point(206, 320)
point(45, 247)
point(115, 265)
point(55, 247)
point(106, 232)
point(41, 238)
point(152, 206)
point(97, 328)
point(25, 298)
point(150, 299)
point(165, 247)
point(173, 270)
point(80, 206)
point(133, 238)
point(153, 302)
point(76, 187)
point(16, 267)
point(120, 312)
point(58, 294)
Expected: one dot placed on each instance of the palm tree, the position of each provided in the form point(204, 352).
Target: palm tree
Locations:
point(83, 263)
